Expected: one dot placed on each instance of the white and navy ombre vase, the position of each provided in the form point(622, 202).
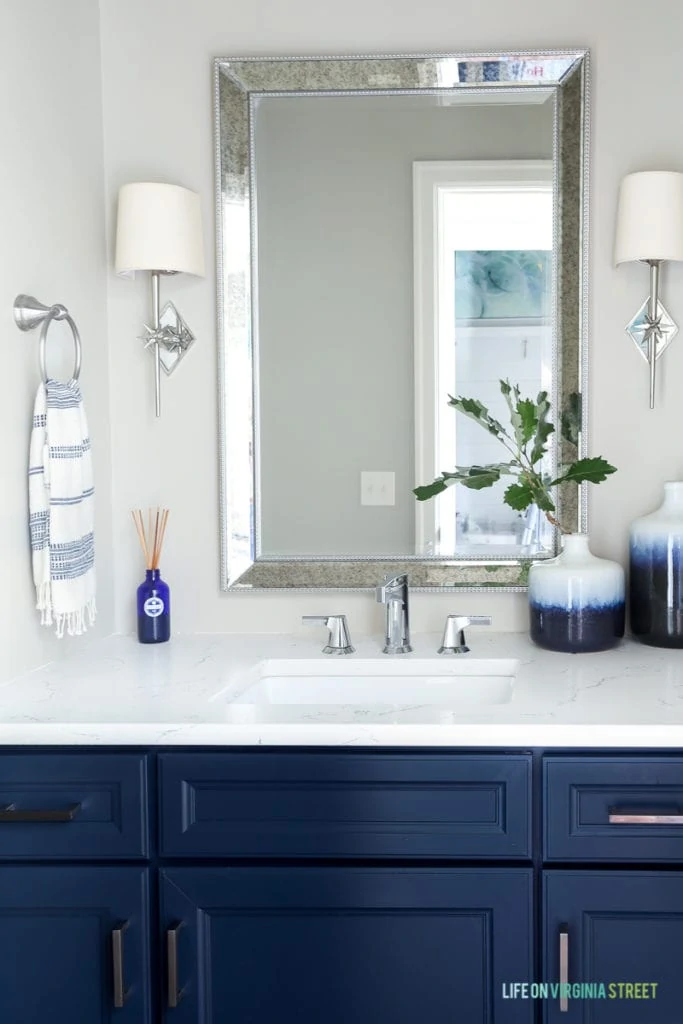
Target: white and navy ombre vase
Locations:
point(656, 586)
point(576, 601)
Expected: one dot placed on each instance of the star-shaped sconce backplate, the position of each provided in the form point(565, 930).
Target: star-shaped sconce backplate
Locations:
point(642, 327)
point(174, 337)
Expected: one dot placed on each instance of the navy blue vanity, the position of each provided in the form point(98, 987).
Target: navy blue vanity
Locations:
point(344, 886)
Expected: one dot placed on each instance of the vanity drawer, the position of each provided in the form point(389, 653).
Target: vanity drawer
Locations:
point(72, 806)
point(320, 804)
point(613, 809)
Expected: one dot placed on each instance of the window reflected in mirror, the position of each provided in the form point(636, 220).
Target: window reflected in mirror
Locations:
point(484, 292)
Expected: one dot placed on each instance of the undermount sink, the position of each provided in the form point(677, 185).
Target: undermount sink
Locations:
point(369, 682)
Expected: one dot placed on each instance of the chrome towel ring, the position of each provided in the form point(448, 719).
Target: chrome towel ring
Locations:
point(29, 314)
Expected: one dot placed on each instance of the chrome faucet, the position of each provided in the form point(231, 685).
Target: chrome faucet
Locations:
point(339, 638)
point(454, 641)
point(394, 594)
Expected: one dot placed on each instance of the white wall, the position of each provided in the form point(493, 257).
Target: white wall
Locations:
point(51, 245)
point(158, 123)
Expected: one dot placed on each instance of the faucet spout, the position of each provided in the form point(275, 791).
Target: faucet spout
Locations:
point(393, 593)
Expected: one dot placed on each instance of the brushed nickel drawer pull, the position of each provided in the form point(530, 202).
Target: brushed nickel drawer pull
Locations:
point(564, 968)
point(10, 813)
point(617, 817)
point(174, 993)
point(120, 991)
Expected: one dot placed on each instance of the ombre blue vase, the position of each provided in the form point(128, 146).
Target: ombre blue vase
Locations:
point(656, 584)
point(576, 601)
point(154, 609)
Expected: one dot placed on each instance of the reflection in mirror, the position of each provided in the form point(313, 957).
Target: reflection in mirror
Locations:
point(483, 282)
point(391, 231)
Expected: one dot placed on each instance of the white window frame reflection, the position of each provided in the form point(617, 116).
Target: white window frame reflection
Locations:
point(448, 200)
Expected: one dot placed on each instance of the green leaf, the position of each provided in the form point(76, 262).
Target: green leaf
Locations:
point(528, 413)
point(542, 496)
point(543, 428)
point(474, 477)
point(519, 496)
point(428, 491)
point(509, 393)
point(570, 421)
point(530, 490)
point(592, 471)
point(478, 477)
point(478, 412)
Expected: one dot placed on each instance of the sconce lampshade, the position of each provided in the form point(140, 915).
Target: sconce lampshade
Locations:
point(650, 217)
point(159, 227)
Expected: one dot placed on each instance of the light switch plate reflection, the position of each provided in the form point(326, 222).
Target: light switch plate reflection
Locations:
point(377, 487)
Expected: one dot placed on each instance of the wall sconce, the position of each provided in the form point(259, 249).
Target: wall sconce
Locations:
point(159, 228)
point(650, 229)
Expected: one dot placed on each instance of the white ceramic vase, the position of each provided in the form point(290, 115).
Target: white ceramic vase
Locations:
point(576, 600)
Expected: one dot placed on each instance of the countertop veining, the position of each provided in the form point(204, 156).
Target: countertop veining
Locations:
point(117, 691)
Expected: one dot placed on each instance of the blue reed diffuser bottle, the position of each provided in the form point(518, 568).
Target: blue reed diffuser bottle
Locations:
point(153, 594)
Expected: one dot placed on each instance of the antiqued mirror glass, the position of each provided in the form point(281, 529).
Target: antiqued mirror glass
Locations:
point(392, 231)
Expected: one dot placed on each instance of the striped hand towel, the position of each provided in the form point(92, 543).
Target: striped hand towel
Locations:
point(61, 517)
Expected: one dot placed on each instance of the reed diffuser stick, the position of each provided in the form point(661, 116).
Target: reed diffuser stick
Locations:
point(155, 549)
point(139, 526)
point(151, 537)
point(164, 520)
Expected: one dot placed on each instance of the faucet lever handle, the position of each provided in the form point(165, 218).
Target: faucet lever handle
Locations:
point(339, 639)
point(454, 641)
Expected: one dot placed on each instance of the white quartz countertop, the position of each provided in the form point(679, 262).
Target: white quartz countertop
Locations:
point(117, 691)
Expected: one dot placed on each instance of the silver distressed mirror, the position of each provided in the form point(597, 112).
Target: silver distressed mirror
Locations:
point(392, 230)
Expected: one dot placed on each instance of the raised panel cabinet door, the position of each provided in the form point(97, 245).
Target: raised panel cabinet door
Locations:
point(74, 943)
point(621, 928)
point(352, 945)
point(383, 805)
point(73, 806)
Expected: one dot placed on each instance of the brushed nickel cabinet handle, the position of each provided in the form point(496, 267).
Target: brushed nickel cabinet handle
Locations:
point(564, 968)
point(617, 817)
point(174, 993)
point(10, 813)
point(120, 991)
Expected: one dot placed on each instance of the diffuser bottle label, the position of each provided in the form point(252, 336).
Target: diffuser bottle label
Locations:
point(153, 607)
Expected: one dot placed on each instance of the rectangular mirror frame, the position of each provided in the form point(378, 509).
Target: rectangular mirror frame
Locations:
point(238, 83)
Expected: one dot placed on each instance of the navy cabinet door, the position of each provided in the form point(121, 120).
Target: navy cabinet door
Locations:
point(623, 927)
point(302, 945)
point(58, 947)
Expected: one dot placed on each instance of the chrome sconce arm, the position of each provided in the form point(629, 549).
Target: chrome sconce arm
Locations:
point(653, 335)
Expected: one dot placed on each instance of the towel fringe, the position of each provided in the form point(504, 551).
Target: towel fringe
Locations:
point(44, 602)
point(74, 623)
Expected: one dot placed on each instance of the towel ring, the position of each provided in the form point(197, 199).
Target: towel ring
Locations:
point(29, 314)
point(59, 312)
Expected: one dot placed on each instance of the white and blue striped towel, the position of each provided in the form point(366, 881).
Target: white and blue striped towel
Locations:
point(61, 498)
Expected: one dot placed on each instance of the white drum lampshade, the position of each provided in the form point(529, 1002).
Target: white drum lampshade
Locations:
point(650, 217)
point(159, 227)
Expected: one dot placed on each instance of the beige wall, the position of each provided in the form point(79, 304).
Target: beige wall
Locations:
point(157, 122)
point(52, 245)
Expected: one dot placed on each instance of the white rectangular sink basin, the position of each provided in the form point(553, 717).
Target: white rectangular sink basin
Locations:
point(453, 682)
